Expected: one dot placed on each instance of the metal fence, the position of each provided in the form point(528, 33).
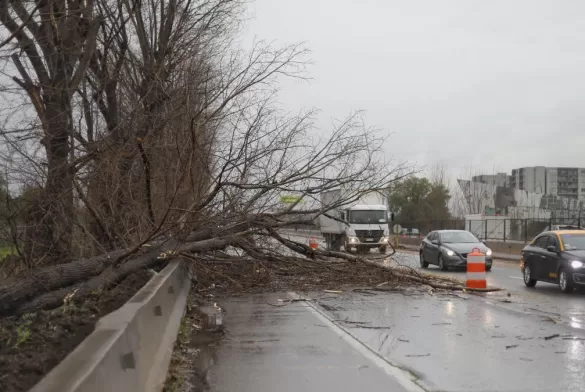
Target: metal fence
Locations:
point(494, 228)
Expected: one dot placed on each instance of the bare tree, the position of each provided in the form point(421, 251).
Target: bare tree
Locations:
point(176, 145)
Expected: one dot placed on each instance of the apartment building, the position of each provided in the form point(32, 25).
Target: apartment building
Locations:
point(568, 182)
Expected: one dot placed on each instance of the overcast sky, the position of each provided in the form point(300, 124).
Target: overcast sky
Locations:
point(488, 84)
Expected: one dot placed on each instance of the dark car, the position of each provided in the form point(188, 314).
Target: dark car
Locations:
point(449, 248)
point(555, 257)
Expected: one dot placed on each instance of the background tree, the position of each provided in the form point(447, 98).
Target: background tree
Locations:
point(416, 200)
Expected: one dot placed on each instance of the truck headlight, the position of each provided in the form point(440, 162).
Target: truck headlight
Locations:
point(450, 252)
point(488, 252)
point(353, 240)
point(576, 264)
point(384, 240)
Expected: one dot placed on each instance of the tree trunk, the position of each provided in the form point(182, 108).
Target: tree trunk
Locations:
point(50, 232)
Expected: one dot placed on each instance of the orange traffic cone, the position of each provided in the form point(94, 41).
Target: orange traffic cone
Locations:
point(313, 243)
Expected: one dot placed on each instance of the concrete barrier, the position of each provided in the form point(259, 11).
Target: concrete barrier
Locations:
point(130, 348)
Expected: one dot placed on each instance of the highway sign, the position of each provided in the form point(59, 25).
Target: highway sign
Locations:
point(290, 199)
point(396, 229)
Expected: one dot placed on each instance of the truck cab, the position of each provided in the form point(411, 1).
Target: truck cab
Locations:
point(357, 226)
point(368, 228)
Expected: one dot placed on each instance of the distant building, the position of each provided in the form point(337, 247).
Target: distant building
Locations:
point(500, 179)
point(566, 182)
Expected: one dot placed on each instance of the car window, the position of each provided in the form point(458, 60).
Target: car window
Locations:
point(573, 241)
point(458, 237)
point(541, 242)
point(552, 241)
point(431, 236)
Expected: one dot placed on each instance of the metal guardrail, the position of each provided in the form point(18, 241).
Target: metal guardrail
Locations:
point(130, 348)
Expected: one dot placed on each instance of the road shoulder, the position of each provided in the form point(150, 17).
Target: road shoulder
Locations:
point(290, 346)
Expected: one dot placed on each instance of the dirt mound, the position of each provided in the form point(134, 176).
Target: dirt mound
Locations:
point(31, 345)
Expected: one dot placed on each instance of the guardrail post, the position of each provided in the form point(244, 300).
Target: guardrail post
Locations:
point(504, 230)
point(485, 229)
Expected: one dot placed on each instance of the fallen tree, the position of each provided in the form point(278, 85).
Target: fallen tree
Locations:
point(175, 145)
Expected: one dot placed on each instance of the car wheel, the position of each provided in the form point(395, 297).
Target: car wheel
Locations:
point(383, 249)
point(442, 265)
point(423, 262)
point(528, 281)
point(564, 282)
point(488, 268)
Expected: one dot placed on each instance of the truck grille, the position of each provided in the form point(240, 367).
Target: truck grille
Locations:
point(365, 235)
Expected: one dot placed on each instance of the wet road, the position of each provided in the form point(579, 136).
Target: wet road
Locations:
point(460, 343)
point(545, 299)
point(531, 340)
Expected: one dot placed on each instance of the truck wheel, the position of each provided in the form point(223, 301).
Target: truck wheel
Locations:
point(337, 240)
point(383, 249)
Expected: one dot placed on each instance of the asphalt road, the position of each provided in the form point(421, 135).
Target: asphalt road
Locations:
point(545, 299)
point(518, 339)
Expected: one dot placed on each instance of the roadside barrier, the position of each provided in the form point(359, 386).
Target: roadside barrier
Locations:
point(476, 276)
point(130, 348)
point(313, 243)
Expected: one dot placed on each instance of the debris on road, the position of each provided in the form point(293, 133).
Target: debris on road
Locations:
point(551, 336)
point(511, 346)
point(333, 291)
point(417, 355)
point(549, 319)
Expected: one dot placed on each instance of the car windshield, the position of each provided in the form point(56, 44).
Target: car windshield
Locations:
point(573, 241)
point(458, 237)
point(367, 216)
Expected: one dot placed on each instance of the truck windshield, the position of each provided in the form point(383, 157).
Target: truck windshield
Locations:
point(367, 216)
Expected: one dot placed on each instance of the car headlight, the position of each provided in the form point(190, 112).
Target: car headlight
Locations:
point(576, 264)
point(353, 240)
point(450, 252)
point(488, 252)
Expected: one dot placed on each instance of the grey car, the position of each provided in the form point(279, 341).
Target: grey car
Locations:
point(449, 248)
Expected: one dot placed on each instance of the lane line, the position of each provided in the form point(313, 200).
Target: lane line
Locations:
point(515, 277)
point(406, 379)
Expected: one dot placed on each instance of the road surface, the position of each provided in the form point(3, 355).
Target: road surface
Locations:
point(519, 339)
point(545, 298)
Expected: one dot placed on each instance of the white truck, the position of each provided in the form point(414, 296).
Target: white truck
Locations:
point(358, 226)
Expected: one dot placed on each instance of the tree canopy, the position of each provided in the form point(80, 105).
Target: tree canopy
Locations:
point(417, 199)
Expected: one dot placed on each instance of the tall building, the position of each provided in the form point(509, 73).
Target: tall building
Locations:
point(568, 182)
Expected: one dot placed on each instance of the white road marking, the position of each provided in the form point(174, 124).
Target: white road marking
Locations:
point(406, 379)
point(514, 277)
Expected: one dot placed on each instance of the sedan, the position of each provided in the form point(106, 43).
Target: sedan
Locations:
point(449, 248)
point(555, 257)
